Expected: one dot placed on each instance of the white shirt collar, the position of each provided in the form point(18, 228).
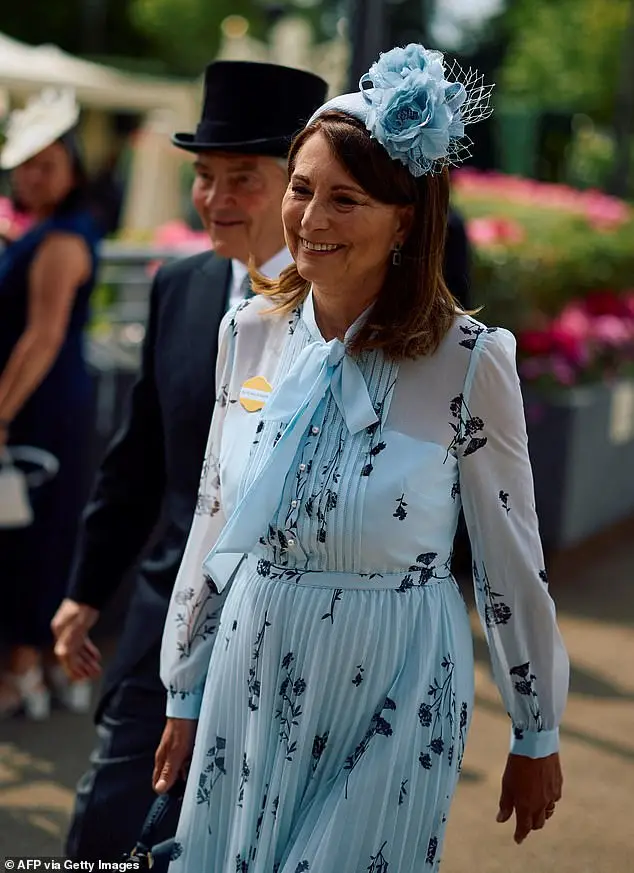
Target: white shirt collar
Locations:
point(308, 317)
point(271, 269)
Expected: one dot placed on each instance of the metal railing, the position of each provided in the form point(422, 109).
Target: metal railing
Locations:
point(120, 310)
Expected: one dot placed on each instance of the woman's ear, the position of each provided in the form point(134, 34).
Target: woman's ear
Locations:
point(405, 219)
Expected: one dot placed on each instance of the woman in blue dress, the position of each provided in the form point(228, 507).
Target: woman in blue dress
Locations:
point(317, 645)
point(46, 278)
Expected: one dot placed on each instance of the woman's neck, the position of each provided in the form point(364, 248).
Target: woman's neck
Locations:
point(337, 310)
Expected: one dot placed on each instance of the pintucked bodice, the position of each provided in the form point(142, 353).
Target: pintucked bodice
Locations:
point(326, 476)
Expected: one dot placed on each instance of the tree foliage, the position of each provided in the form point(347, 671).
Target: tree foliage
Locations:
point(186, 33)
point(565, 54)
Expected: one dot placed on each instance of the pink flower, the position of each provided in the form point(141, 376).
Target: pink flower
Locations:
point(601, 211)
point(570, 346)
point(592, 337)
point(494, 231)
point(611, 330)
point(178, 235)
point(574, 321)
point(13, 224)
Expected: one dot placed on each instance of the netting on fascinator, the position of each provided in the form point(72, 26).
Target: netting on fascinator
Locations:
point(417, 107)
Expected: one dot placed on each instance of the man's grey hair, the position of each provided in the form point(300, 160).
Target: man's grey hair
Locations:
point(283, 163)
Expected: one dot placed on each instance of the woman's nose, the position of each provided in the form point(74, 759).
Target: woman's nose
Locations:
point(315, 216)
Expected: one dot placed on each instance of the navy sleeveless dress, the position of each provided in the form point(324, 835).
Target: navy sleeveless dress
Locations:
point(35, 561)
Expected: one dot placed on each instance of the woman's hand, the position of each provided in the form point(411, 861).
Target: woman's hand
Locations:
point(531, 787)
point(174, 753)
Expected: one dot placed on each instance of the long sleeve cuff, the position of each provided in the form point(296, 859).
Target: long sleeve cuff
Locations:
point(534, 744)
point(184, 704)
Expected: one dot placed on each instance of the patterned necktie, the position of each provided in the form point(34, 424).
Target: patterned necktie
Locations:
point(246, 290)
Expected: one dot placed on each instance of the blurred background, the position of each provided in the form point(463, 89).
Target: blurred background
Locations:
point(547, 201)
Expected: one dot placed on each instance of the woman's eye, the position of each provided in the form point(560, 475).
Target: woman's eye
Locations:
point(300, 189)
point(346, 201)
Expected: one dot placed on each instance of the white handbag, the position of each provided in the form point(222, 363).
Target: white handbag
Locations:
point(15, 505)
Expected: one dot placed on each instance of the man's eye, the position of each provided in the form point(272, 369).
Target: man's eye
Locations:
point(300, 189)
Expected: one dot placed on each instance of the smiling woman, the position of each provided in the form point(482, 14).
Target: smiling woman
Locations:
point(335, 703)
point(384, 230)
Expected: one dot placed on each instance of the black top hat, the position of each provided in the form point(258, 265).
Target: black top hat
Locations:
point(253, 109)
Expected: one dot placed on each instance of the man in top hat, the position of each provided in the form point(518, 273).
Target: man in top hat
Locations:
point(153, 467)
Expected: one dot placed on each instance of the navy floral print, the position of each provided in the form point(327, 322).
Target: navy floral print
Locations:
point(329, 660)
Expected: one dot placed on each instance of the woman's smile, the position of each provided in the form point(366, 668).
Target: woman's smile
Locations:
point(321, 248)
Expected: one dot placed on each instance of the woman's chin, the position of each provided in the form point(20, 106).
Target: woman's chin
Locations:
point(312, 270)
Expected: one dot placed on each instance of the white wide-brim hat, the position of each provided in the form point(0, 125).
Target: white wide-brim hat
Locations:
point(45, 118)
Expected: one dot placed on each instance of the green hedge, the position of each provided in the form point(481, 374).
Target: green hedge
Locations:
point(566, 249)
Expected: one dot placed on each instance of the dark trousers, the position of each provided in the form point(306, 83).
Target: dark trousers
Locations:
point(115, 793)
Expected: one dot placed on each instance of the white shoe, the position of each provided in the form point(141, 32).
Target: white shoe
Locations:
point(35, 698)
point(74, 696)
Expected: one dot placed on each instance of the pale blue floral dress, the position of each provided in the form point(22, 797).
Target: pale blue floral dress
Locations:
point(333, 675)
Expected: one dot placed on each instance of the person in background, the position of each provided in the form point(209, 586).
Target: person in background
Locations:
point(317, 651)
point(107, 191)
point(457, 263)
point(153, 467)
point(46, 277)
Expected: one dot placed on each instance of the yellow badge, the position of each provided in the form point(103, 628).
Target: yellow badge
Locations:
point(254, 393)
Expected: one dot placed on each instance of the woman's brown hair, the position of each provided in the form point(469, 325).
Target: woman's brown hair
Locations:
point(414, 309)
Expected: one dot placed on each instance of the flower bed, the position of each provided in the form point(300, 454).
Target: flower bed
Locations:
point(591, 340)
point(556, 266)
point(539, 247)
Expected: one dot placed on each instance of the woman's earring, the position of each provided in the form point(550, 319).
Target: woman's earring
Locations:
point(396, 254)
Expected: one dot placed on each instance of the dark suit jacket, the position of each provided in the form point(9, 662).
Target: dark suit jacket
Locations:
point(152, 469)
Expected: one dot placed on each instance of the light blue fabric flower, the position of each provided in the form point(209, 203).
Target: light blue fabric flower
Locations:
point(417, 108)
point(412, 110)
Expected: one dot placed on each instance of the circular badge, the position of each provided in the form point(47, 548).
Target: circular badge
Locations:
point(254, 393)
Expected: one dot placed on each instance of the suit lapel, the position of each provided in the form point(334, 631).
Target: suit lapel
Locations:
point(207, 303)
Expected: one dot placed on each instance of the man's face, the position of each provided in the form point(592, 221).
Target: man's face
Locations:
point(239, 200)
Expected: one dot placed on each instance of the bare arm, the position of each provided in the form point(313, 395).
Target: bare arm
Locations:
point(59, 268)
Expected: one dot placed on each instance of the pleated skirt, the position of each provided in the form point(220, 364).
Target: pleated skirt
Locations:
point(333, 725)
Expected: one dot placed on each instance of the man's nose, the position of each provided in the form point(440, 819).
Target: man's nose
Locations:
point(219, 194)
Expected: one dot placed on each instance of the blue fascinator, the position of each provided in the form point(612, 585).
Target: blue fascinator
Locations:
point(417, 107)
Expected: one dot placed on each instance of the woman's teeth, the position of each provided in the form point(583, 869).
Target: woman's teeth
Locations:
point(319, 247)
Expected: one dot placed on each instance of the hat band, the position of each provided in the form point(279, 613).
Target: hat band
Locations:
point(228, 132)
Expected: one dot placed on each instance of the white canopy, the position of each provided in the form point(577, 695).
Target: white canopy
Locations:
point(153, 192)
point(25, 69)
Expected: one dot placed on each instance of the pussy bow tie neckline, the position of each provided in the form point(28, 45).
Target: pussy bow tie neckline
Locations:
point(320, 366)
